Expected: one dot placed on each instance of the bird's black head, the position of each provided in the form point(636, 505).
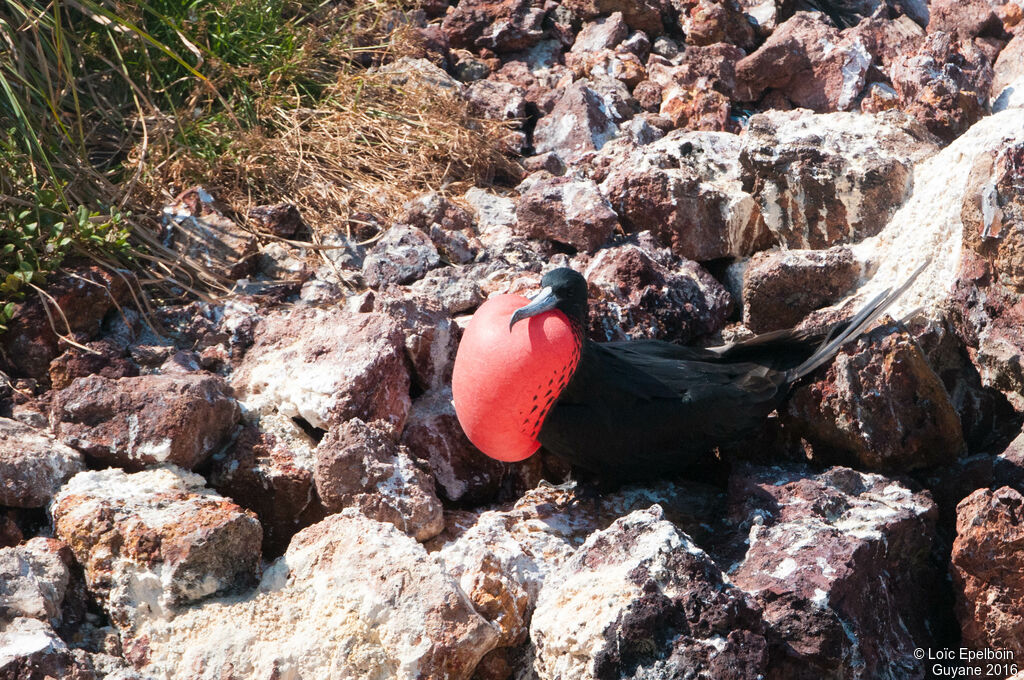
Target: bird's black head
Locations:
point(563, 289)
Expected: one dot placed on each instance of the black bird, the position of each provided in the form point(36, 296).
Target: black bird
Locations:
point(643, 407)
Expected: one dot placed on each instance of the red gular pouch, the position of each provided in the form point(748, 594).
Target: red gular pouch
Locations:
point(505, 382)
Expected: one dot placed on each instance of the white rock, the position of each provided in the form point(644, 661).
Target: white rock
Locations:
point(352, 598)
point(928, 228)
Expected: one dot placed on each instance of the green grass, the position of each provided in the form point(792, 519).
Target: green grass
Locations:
point(94, 93)
point(108, 109)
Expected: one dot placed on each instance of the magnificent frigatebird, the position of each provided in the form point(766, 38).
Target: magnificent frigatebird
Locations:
point(527, 376)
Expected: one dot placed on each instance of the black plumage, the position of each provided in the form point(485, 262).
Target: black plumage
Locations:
point(648, 407)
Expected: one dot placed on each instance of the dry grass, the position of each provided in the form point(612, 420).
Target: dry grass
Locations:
point(370, 146)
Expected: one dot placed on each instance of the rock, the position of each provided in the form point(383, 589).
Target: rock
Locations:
point(888, 39)
point(696, 87)
point(809, 61)
point(503, 557)
point(640, 599)
point(33, 465)
point(945, 84)
point(154, 541)
point(30, 649)
point(823, 180)
point(641, 15)
point(497, 100)
point(326, 366)
point(1008, 70)
point(985, 307)
point(566, 210)
point(408, 72)
point(878, 405)
point(269, 470)
point(707, 22)
point(432, 208)
point(402, 255)
point(928, 229)
point(840, 563)
point(578, 123)
point(685, 189)
point(359, 465)
point(84, 295)
point(499, 25)
point(101, 357)
point(392, 610)
point(199, 230)
point(639, 295)
point(964, 19)
point(451, 288)
point(604, 33)
point(491, 210)
point(879, 97)
point(433, 434)
point(33, 580)
point(280, 219)
point(431, 339)
point(544, 85)
point(617, 68)
point(781, 287)
point(135, 422)
point(986, 569)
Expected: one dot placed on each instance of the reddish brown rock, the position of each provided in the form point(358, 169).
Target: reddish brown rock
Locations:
point(155, 540)
point(618, 65)
point(499, 25)
point(887, 39)
point(433, 434)
point(102, 357)
point(840, 563)
point(945, 84)
point(964, 19)
point(686, 190)
point(326, 366)
point(808, 61)
point(280, 219)
point(648, 95)
point(696, 87)
point(360, 466)
point(878, 405)
point(988, 560)
point(432, 208)
point(578, 123)
point(780, 287)
point(986, 307)
point(642, 15)
point(84, 296)
point(1009, 67)
point(33, 465)
point(637, 294)
point(402, 255)
point(146, 420)
point(566, 210)
point(543, 86)
point(272, 476)
point(706, 22)
point(199, 228)
point(826, 179)
point(497, 100)
point(640, 599)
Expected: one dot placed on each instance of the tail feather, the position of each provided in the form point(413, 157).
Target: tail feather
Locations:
point(853, 328)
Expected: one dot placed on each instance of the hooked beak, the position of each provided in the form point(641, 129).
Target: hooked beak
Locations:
point(541, 301)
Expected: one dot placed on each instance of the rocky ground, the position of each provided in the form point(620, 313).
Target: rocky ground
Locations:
point(275, 485)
